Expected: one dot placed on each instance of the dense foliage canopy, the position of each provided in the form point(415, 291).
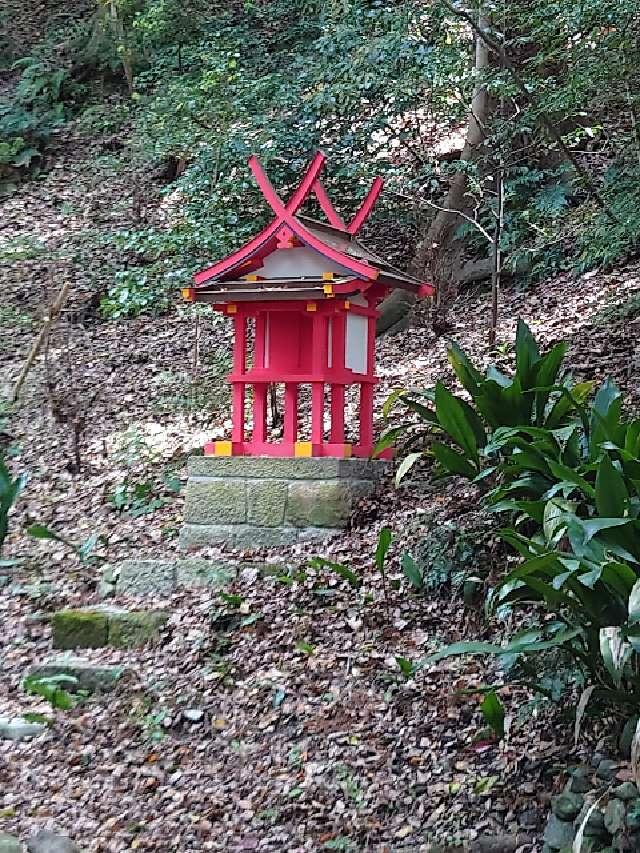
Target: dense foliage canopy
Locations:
point(382, 88)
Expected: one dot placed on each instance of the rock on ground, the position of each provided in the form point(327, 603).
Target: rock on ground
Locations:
point(17, 728)
point(50, 842)
point(92, 677)
point(10, 844)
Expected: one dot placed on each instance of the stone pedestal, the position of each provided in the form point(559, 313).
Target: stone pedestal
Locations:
point(255, 502)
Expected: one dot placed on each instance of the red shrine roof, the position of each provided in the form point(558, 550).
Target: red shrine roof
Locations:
point(350, 266)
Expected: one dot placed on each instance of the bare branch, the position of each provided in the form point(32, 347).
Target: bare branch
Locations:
point(470, 219)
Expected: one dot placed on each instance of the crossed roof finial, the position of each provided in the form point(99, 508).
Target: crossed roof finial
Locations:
point(285, 215)
point(311, 184)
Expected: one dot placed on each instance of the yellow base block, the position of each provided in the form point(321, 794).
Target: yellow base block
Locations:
point(303, 448)
point(223, 448)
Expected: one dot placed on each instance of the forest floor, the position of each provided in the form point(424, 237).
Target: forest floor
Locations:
point(309, 738)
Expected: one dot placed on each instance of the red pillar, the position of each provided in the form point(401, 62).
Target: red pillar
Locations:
point(338, 332)
point(320, 357)
point(366, 392)
point(290, 413)
point(239, 367)
point(337, 414)
point(259, 435)
point(259, 414)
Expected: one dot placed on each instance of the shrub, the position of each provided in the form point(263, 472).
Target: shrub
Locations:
point(566, 471)
point(27, 118)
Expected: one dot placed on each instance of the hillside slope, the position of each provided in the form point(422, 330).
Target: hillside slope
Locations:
point(308, 735)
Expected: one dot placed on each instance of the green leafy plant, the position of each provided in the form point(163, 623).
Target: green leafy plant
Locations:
point(344, 572)
point(493, 712)
point(53, 688)
point(385, 537)
point(84, 551)
point(407, 668)
point(412, 571)
point(28, 117)
point(566, 472)
point(10, 489)
point(136, 499)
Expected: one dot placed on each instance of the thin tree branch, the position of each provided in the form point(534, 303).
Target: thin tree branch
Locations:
point(470, 219)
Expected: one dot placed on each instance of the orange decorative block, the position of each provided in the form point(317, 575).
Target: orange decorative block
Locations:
point(303, 448)
point(223, 448)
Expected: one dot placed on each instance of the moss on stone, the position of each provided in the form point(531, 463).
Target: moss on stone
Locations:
point(323, 504)
point(79, 629)
point(133, 628)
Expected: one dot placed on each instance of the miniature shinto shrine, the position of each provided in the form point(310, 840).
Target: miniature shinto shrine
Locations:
point(310, 289)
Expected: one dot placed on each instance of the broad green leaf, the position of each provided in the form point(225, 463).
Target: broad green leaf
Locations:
point(547, 368)
point(406, 465)
point(612, 498)
point(453, 418)
point(389, 438)
point(607, 394)
point(341, 570)
point(634, 603)
point(563, 472)
point(451, 461)
point(632, 438)
point(545, 376)
point(406, 667)
point(615, 651)
point(527, 353)
point(412, 571)
point(423, 412)
point(39, 531)
point(470, 378)
point(384, 542)
point(497, 376)
point(391, 400)
point(605, 416)
point(594, 525)
point(531, 509)
point(567, 403)
point(493, 712)
point(470, 647)
point(621, 578)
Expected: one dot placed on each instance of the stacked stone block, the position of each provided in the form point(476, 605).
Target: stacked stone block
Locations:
point(254, 502)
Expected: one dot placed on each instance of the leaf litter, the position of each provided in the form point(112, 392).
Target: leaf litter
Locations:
point(293, 726)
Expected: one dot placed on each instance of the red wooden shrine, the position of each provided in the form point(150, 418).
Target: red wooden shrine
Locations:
point(312, 290)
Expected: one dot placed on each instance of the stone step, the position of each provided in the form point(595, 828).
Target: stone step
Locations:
point(144, 577)
point(18, 728)
point(92, 677)
point(94, 628)
point(51, 842)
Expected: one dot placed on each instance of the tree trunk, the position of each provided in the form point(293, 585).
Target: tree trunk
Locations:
point(438, 254)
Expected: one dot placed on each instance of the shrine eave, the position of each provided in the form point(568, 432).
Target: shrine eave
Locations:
point(228, 279)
